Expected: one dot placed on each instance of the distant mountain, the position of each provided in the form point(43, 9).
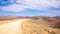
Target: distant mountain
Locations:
point(7, 17)
point(57, 17)
point(49, 21)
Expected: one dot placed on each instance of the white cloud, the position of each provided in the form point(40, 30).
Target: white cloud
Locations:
point(40, 4)
point(13, 7)
point(54, 11)
point(32, 4)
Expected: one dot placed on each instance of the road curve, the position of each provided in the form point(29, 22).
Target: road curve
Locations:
point(11, 28)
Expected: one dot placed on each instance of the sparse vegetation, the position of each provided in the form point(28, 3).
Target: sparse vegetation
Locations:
point(36, 24)
point(31, 27)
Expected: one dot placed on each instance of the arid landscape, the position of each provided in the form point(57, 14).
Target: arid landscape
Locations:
point(29, 16)
point(29, 25)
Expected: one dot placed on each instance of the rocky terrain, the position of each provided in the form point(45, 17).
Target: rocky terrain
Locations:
point(33, 25)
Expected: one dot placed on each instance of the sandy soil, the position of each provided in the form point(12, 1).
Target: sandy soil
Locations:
point(11, 28)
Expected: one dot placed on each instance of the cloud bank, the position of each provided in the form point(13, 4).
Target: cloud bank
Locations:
point(14, 8)
point(20, 5)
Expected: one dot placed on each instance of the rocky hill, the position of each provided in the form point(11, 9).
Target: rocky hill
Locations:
point(7, 17)
point(32, 27)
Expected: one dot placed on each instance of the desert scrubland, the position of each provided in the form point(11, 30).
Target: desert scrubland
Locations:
point(31, 25)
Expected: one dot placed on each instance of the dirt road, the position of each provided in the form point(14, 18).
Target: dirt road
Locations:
point(11, 28)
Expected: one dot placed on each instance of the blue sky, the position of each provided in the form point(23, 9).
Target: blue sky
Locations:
point(28, 8)
point(30, 12)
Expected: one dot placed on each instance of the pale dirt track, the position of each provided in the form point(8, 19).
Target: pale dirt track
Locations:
point(11, 28)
